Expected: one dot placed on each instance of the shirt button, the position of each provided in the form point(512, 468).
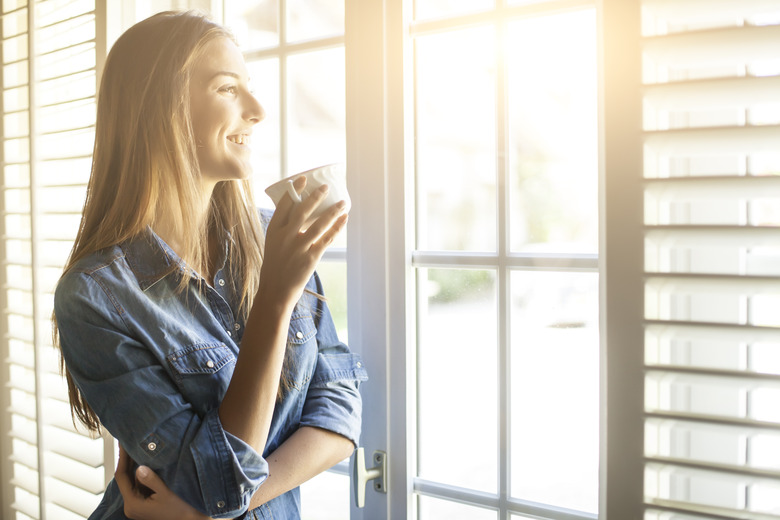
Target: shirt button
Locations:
point(359, 364)
point(221, 504)
point(299, 335)
point(152, 446)
point(210, 363)
point(236, 326)
point(221, 282)
point(230, 334)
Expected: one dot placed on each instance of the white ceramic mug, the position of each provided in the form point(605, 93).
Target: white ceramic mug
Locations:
point(334, 175)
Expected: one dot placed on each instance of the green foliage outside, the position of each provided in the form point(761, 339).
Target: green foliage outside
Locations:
point(451, 285)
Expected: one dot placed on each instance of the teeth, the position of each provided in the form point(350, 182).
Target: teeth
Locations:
point(238, 139)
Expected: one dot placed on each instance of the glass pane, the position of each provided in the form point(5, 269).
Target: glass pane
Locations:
point(456, 141)
point(316, 112)
point(310, 19)
point(325, 497)
point(555, 388)
point(436, 509)
point(265, 141)
point(334, 281)
point(444, 8)
point(255, 23)
point(457, 404)
point(551, 63)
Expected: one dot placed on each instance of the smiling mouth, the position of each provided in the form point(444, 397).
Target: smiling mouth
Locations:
point(238, 139)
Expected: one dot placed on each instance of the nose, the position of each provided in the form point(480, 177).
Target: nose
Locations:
point(253, 110)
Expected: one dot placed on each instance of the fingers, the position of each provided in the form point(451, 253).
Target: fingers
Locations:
point(328, 236)
point(328, 225)
point(146, 476)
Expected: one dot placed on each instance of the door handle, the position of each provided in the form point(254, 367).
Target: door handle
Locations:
point(361, 475)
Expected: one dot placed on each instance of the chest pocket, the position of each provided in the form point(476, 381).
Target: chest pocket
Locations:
point(202, 372)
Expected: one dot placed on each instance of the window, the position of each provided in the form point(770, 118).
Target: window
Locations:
point(552, 200)
point(505, 259)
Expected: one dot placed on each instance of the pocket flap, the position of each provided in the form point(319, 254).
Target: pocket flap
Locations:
point(201, 359)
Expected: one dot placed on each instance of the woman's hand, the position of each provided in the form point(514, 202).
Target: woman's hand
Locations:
point(161, 504)
point(293, 250)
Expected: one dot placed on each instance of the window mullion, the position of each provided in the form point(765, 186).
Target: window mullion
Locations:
point(504, 306)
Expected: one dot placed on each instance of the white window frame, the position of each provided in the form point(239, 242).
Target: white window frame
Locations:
point(380, 258)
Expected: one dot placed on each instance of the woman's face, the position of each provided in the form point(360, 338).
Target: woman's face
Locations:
point(223, 112)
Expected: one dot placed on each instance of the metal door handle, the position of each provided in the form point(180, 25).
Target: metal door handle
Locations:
point(361, 475)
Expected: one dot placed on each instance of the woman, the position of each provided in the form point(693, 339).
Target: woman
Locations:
point(191, 327)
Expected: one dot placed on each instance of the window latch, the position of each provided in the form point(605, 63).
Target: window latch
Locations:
point(361, 475)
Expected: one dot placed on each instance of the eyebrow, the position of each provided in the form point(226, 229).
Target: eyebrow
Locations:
point(226, 73)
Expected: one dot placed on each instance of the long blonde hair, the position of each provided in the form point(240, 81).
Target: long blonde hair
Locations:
point(144, 162)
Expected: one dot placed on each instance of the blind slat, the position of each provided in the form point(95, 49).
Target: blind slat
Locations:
point(704, 284)
point(754, 473)
point(690, 331)
point(712, 513)
point(713, 141)
point(708, 188)
point(726, 46)
point(715, 93)
point(742, 236)
point(672, 9)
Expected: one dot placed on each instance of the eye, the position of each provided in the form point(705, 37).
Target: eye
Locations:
point(229, 89)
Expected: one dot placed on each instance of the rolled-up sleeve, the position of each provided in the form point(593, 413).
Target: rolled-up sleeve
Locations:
point(141, 406)
point(333, 400)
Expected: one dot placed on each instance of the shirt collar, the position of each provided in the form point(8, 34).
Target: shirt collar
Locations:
point(151, 258)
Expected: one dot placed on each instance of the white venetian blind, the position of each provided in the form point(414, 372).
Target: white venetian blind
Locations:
point(712, 258)
point(50, 470)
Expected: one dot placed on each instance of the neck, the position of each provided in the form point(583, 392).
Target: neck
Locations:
point(176, 236)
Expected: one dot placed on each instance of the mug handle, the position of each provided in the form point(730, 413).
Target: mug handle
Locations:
point(291, 191)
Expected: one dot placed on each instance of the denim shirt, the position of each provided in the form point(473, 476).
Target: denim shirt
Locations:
point(154, 364)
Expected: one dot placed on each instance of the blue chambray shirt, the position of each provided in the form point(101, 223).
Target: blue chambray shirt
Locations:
point(154, 364)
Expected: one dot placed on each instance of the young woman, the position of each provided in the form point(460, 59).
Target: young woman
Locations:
point(192, 328)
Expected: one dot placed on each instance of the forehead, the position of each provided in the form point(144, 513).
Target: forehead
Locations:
point(219, 55)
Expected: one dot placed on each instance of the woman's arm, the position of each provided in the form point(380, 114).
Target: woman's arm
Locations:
point(290, 258)
point(307, 453)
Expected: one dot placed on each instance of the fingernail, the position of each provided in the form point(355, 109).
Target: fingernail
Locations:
point(341, 204)
point(143, 471)
point(324, 188)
